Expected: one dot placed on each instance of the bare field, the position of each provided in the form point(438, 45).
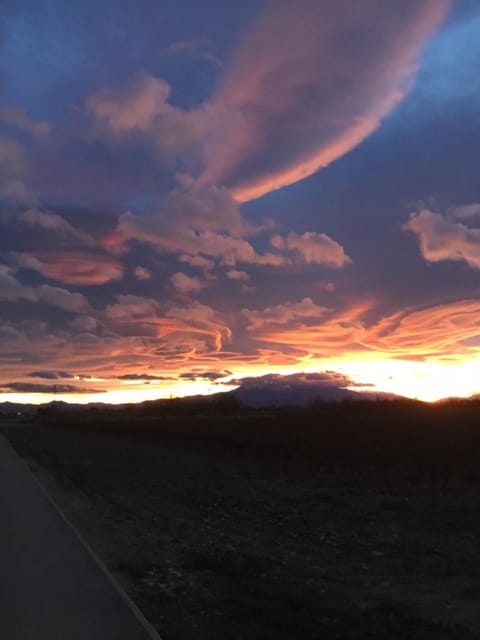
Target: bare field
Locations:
point(224, 537)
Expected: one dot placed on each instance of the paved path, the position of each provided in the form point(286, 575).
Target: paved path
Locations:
point(51, 585)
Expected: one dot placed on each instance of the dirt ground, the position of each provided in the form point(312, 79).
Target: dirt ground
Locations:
point(214, 544)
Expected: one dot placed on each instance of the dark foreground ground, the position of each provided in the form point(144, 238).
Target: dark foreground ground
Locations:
point(279, 527)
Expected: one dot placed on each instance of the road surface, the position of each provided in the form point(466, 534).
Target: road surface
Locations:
point(51, 585)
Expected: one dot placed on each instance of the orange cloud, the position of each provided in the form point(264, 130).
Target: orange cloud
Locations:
point(439, 332)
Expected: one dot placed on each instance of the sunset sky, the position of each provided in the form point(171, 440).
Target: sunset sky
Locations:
point(197, 191)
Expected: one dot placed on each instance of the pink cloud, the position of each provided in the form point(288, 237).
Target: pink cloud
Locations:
point(72, 267)
point(197, 222)
point(314, 248)
point(142, 273)
point(234, 274)
point(187, 284)
point(143, 106)
point(308, 83)
point(197, 261)
point(442, 239)
point(129, 307)
point(283, 314)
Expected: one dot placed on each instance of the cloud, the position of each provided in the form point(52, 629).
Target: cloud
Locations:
point(19, 119)
point(143, 107)
point(197, 49)
point(467, 211)
point(11, 290)
point(51, 375)
point(71, 267)
point(186, 284)
point(62, 298)
point(441, 239)
point(437, 330)
point(311, 330)
point(204, 375)
point(201, 318)
point(130, 307)
point(183, 211)
point(305, 86)
point(282, 314)
point(30, 387)
point(238, 275)
point(314, 248)
point(197, 261)
point(142, 376)
point(84, 323)
point(13, 159)
point(142, 273)
point(52, 222)
point(195, 222)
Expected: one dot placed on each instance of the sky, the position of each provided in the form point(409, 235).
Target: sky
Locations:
point(196, 192)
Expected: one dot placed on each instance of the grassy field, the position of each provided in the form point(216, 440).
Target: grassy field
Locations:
point(348, 523)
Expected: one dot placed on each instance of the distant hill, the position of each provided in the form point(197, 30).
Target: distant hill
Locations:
point(13, 408)
point(297, 396)
point(253, 393)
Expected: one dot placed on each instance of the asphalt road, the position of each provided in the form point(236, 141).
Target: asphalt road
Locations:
point(51, 585)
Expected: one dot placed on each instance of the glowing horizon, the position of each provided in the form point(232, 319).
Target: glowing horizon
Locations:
point(425, 381)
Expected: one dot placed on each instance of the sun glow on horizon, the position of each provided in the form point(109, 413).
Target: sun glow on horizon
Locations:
point(428, 381)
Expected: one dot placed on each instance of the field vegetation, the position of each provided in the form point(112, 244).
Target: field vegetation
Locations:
point(351, 520)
